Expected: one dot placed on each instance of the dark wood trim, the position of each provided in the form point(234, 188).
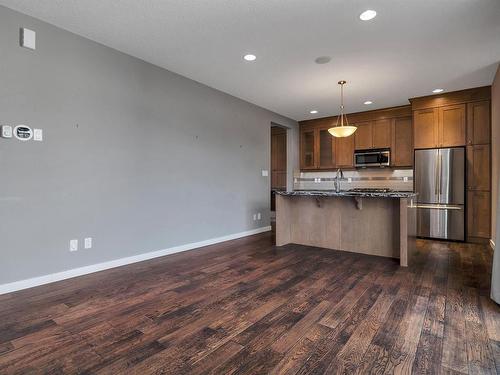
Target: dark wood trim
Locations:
point(377, 114)
point(450, 98)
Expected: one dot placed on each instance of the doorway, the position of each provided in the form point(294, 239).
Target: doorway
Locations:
point(278, 164)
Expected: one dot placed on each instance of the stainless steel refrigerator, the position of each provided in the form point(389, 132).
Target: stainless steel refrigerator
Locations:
point(440, 184)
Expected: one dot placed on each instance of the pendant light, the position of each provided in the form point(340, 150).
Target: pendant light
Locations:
point(342, 130)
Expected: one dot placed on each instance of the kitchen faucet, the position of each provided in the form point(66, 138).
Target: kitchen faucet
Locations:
point(337, 179)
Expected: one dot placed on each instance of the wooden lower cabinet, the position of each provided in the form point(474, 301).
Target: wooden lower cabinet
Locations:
point(478, 215)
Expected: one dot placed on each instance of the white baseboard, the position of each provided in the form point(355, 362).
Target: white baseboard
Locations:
point(46, 279)
point(492, 244)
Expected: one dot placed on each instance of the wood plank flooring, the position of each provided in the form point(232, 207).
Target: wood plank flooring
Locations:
point(247, 307)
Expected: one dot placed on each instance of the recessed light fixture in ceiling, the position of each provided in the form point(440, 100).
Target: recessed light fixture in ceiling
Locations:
point(323, 60)
point(367, 15)
point(250, 57)
point(368, 102)
point(437, 91)
point(313, 112)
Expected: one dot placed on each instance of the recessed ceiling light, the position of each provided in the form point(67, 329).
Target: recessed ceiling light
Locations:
point(323, 60)
point(437, 91)
point(368, 102)
point(367, 15)
point(250, 57)
point(313, 111)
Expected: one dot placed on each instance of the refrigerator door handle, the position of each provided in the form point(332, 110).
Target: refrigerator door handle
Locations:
point(436, 175)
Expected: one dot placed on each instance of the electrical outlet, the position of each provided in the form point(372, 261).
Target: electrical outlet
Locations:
point(73, 245)
point(88, 243)
point(405, 179)
point(258, 216)
point(38, 135)
point(254, 217)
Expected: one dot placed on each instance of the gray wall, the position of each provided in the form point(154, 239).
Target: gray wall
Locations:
point(139, 158)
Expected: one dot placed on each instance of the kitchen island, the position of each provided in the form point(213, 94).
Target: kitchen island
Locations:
point(374, 223)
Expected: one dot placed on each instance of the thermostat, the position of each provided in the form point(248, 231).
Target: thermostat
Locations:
point(23, 132)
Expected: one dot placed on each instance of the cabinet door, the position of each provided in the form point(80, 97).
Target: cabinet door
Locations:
point(452, 125)
point(363, 137)
point(478, 167)
point(425, 128)
point(478, 214)
point(278, 160)
point(478, 123)
point(326, 149)
point(381, 136)
point(402, 147)
point(307, 146)
point(344, 155)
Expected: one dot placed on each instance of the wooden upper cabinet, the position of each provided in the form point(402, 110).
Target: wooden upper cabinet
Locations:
point(478, 123)
point(425, 128)
point(402, 145)
point(344, 152)
point(381, 133)
point(478, 167)
point(325, 146)
point(307, 149)
point(452, 125)
point(439, 127)
point(363, 137)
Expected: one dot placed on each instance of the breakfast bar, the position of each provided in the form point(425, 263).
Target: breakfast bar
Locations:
point(374, 223)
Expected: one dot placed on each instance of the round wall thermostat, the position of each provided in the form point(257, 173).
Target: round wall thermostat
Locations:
point(23, 132)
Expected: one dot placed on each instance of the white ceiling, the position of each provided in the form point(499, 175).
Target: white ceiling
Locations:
point(410, 48)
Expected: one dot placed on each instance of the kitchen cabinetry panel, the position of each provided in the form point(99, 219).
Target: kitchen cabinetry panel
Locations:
point(402, 142)
point(452, 126)
point(382, 130)
point(478, 216)
point(478, 167)
point(425, 128)
point(363, 137)
point(344, 148)
point(325, 149)
point(478, 123)
point(307, 149)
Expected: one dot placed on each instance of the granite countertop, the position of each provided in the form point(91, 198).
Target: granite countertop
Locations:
point(348, 193)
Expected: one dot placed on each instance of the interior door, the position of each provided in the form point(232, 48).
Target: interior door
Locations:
point(426, 176)
point(451, 164)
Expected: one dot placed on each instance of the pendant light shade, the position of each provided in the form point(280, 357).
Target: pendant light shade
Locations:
point(342, 130)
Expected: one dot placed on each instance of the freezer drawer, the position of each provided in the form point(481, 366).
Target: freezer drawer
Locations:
point(441, 221)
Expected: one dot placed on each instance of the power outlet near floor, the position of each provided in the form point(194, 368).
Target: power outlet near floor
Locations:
point(257, 216)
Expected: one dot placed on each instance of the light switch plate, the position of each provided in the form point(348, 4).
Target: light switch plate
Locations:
point(88, 243)
point(38, 135)
point(6, 131)
point(265, 173)
point(28, 38)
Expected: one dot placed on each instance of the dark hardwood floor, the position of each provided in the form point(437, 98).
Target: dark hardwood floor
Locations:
point(247, 307)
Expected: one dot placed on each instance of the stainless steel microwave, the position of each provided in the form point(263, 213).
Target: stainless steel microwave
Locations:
point(372, 158)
